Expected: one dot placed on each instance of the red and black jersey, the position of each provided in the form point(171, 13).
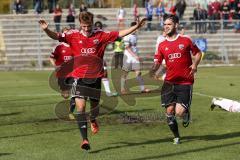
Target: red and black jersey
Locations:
point(62, 54)
point(177, 54)
point(88, 51)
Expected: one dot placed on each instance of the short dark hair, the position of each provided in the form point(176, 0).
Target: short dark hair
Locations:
point(133, 24)
point(174, 18)
point(86, 17)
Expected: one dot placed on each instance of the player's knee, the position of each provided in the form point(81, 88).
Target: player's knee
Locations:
point(180, 110)
point(170, 109)
point(65, 94)
point(80, 104)
point(179, 114)
point(170, 118)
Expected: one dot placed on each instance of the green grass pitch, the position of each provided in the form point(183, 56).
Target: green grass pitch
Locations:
point(30, 129)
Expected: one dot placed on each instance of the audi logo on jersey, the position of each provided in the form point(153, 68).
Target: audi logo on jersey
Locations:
point(174, 56)
point(87, 51)
point(67, 58)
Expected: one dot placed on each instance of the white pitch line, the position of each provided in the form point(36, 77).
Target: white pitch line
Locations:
point(204, 95)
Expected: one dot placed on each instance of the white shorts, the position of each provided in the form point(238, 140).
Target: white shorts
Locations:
point(130, 64)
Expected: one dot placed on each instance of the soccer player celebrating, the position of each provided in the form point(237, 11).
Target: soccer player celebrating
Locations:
point(88, 47)
point(160, 74)
point(176, 94)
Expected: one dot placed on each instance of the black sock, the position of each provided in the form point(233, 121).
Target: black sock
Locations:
point(172, 123)
point(92, 118)
point(94, 113)
point(82, 124)
point(72, 105)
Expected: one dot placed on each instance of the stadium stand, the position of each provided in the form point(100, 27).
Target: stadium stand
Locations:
point(26, 45)
point(3, 57)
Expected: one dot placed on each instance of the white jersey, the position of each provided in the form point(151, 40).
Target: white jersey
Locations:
point(121, 14)
point(227, 104)
point(160, 39)
point(130, 41)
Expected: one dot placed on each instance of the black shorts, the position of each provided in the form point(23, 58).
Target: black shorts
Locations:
point(176, 93)
point(87, 88)
point(65, 83)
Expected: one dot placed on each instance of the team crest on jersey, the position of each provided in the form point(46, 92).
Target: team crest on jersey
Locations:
point(181, 46)
point(166, 49)
point(95, 41)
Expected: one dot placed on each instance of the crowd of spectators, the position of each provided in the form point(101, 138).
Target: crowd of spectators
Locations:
point(54, 8)
point(173, 7)
point(205, 18)
point(18, 7)
point(227, 10)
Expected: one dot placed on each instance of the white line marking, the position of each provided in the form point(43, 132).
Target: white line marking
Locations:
point(204, 95)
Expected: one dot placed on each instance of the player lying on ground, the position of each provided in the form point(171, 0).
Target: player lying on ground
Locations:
point(226, 104)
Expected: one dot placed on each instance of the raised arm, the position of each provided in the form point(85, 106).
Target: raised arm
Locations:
point(44, 26)
point(139, 24)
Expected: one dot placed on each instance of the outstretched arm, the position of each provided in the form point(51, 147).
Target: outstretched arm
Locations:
point(44, 26)
point(139, 24)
